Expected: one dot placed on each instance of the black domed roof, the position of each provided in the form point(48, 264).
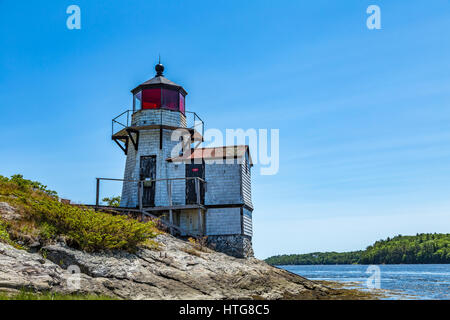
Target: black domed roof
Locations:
point(159, 81)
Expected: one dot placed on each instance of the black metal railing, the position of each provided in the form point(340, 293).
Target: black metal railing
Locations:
point(196, 123)
point(200, 186)
point(197, 196)
point(123, 120)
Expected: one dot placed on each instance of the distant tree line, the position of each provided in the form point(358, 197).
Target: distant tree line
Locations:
point(422, 248)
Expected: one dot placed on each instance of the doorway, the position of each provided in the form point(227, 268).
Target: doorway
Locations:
point(198, 171)
point(148, 172)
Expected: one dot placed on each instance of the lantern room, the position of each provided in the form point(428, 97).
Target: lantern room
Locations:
point(159, 93)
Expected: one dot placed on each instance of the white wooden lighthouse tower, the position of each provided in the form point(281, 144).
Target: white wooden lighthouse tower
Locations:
point(158, 110)
point(195, 192)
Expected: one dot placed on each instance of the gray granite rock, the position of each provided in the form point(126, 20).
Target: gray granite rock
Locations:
point(176, 271)
point(8, 212)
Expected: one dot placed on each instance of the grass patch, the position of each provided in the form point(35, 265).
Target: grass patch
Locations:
point(192, 251)
point(5, 237)
point(28, 295)
point(200, 244)
point(44, 217)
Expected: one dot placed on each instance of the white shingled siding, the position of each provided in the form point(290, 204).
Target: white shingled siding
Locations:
point(158, 116)
point(223, 184)
point(223, 221)
point(247, 221)
point(148, 146)
point(246, 182)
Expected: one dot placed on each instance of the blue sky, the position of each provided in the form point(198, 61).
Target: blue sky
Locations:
point(364, 115)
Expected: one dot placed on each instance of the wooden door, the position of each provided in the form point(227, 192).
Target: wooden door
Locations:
point(194, 170)
point(148, 171)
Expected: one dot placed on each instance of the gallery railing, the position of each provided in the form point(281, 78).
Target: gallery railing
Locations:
point(194, 196)
point(123, 120)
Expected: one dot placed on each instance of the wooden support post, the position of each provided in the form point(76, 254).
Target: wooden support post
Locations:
point(197, 189)
point(124, 149)
point(200, 222)
point(97, 193)
point(171, 220)
point(140, 194)
point(169, 192)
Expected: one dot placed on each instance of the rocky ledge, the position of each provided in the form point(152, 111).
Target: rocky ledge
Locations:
point(177, 270)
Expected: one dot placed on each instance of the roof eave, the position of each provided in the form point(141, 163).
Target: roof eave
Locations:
point(158, 85)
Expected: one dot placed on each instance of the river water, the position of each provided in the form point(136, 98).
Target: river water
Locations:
point(405, 281)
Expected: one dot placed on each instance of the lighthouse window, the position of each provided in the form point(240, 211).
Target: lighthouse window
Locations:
point(151, 98)
point(181, 103)
point(170, 99)
point(137, 101)
point(156, 98)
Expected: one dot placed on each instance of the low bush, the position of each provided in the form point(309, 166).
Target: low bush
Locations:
point(30, 295)
point(82, 227)
point(200, 244)
point(93, 230)
point(5, 237)
point(25, 184)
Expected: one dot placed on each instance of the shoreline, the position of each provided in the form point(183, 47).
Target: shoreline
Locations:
point(403, 282)
point(378, 294)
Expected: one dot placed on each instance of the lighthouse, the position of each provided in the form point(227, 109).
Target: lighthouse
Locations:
point(194, 190)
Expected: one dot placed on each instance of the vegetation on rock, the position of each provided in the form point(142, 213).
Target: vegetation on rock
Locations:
point(44, 217)
point(4, 236)
point(29, 295)
point(422, 248)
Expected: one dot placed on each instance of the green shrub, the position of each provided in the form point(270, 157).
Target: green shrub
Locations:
point(4, 235)
point(92, 230)
point(29, 295)
point(24, 184)
point(47, 231)
point(112, 202)
point(88, 229)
